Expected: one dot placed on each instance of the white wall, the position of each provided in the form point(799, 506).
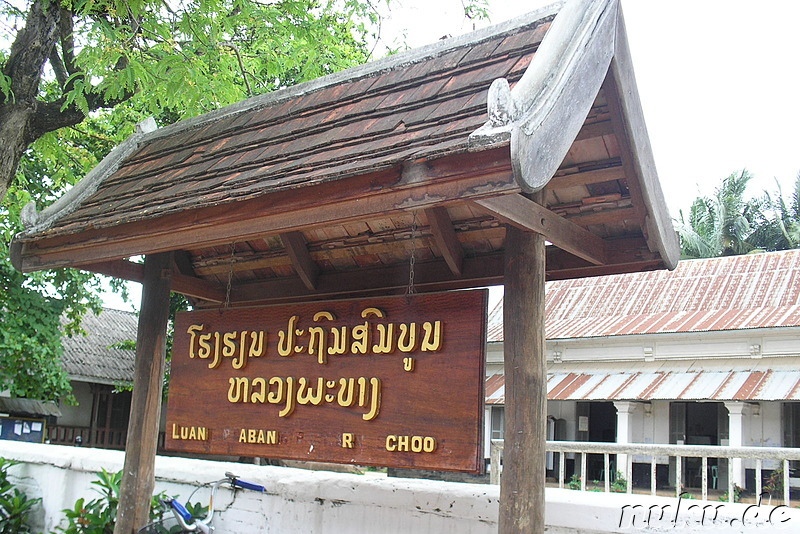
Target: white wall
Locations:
point(80, 415)
point(337, 503)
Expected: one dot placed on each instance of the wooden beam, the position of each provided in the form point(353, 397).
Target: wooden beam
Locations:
point(138, 479)
point(595, 129)
point(522, 486)
point(297, 249)
point(445, 236)
point(429, 276)
point(525, 214)
point(338, 202)
point(186, 285)
point(595, 176)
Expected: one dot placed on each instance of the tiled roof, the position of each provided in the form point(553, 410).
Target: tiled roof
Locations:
point(344, 125)
point(732, 293)
point(92, 358)
point(775, 379)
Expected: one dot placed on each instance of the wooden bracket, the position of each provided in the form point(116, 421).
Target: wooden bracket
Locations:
point(525, 214)
point(445, 236)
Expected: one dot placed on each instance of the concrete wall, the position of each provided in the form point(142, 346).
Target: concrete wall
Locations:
point(316, 502)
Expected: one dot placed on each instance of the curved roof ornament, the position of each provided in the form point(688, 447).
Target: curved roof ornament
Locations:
point(545, 110)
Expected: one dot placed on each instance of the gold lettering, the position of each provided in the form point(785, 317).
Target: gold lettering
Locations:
point(375, 400)
point(194, 433)
point(191, 331)
point(205, 346)
point(238, 390)
point(366, 312)
point(229, 344)
point(347, 388)
point(317, 343)
point(432, 341)
point(290, 399)
point(408, 337)
point(278, 396)
point(348, 440)
point(251, 435)
point(255, 352)
point(286, 339)
point(385, 343)
point(241, 360)
point(360, 343)
point(217, 358)
point(272, 437)
point(258, 396)
point(339, 341)
point(408, 364)
point(415, 444)
point(243, 436)
point(307, 394)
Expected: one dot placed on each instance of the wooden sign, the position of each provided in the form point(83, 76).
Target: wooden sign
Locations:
point(394, 382)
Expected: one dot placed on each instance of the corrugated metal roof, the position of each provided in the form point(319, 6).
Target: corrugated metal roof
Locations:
point(94, 357)
point(732, 293)
point(775, 379)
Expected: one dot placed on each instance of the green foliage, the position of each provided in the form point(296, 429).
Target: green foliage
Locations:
point(727, 223)
point(15, 506)
point(774, 484)
point(96, 516)
point(737, 494)
point(574, 482)
point(619, 485)
point(719, 225)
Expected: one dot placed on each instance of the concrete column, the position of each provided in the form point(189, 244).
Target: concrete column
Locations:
point(624, 411)
point(736, 437)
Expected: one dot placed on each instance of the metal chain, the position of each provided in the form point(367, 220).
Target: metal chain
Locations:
point(410, 290)
point(227, 303)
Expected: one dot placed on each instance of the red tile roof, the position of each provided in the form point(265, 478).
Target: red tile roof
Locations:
point(732, 293)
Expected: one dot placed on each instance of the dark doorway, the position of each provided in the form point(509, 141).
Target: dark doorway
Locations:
point(597, 421)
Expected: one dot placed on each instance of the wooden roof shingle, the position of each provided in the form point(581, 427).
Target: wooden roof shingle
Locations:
point(329, 187)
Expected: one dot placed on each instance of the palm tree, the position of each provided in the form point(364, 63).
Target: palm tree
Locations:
point(779, 226)
point(720, 225)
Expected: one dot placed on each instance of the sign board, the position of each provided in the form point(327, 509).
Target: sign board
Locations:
point(394, 381)
point(21, 429)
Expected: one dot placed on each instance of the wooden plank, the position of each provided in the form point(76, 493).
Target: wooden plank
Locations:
point(429, 276)
point(595, 129)
point(138, 479)
point(609, 216)
point(402, 394)
point(186, 285)
point(525, 214)
point(297, 249)
point(595, 176)
point(338, 202)
point(522, 500)
point(445, 237)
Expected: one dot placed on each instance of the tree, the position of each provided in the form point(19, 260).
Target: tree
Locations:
point(77, 76)
point(69, 58)
point(80, 73)
point(720, 225)
point(778, 227)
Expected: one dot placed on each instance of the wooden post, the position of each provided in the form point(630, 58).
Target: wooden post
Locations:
point(522, 486)
point(138, 478)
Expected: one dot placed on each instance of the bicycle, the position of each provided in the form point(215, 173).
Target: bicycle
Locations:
point(183, 520)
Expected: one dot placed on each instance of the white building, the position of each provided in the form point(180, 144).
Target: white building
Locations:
point(706, 354)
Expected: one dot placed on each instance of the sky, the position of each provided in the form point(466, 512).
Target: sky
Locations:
point(718, 81)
